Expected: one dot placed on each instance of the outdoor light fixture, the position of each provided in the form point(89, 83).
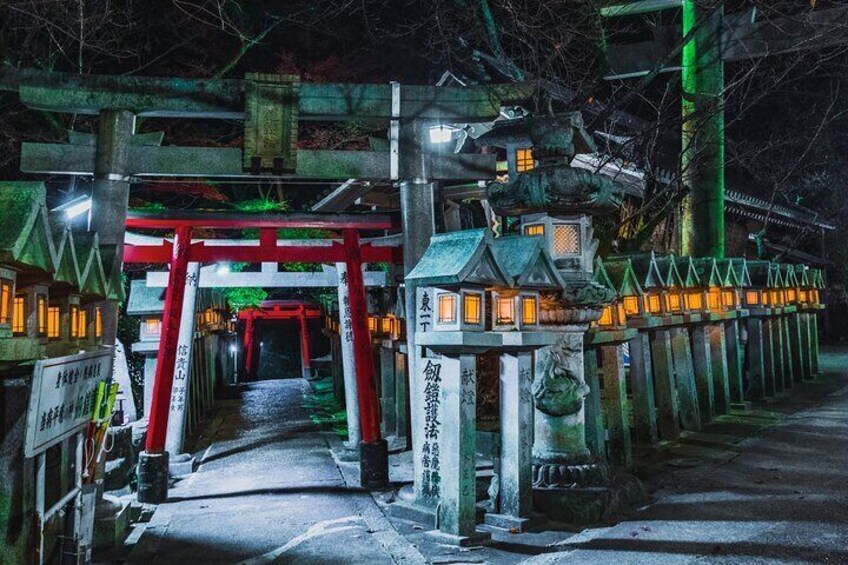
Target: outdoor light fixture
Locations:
point(529, 310)
point(472, 306)
point(75, 207)
point(654, 304)
point(752, 298)
point(631, 305)
point(223, 268)
point(386, 325)
point(372, 324)
point(505, 310)
point(441, 134)
point(606, 318)
point(728, 298)
point(674, 301)
point(447, 308)
point(694, 300)
point(714, 298)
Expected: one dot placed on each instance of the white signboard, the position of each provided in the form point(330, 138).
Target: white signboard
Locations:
point(64, 391)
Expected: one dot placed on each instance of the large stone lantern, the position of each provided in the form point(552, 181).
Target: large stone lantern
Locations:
point(556, 202)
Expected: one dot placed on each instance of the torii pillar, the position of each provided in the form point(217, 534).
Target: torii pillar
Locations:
point(305, 350)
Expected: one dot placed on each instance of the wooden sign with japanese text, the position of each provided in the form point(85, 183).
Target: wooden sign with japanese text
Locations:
point(62, 397)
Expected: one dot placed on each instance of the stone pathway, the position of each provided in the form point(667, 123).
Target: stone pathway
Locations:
point(268, 491)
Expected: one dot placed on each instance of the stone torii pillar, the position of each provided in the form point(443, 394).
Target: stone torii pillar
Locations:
point(348, 361)
point(182, 375)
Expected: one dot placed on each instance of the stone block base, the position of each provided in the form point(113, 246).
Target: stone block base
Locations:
point(409, 510)
point(111, 523)
point(181, 465)
point(479, 538)
point(507, 522)
point(583, 506)
point(741, 406)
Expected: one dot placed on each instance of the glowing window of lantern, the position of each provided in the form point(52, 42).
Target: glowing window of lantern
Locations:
point(802, 295)
point(728, 298)
point(372, 324)
point(752, 298)
point(98, 322)
point(6, 302)
point(694, 301)
point(83, 324)
point(152, 326)
point(505, 310)
point(674, 302)
point(447, 308)
point(792, 295)
point(654, 304)
point(775, 297)
point(524, 159)
point(538, 229)
point(566, 239)
point(386, 325)
point(19, 316)
point(529, 314)
point(631, 305)
point(606, 316)
point(472, 308)
point(41, 315)
point(52, 322)
point(814, 296)
point(207, 316)
point(714, 299)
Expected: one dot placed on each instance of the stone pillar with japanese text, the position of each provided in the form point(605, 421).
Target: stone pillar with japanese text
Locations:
point(348, 361)
point(175, 439)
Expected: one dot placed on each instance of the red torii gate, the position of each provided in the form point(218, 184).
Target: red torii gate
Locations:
point(178, 254)
point(278, 310)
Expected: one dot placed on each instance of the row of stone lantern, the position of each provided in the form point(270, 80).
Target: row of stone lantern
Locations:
point(709, 335)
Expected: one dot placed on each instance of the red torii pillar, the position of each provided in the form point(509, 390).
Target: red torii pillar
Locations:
point(305, 350)
point(249, 346)
point(153, 461)
point(373, 451)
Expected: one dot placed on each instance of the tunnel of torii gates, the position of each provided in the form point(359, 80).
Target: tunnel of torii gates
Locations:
point(275, 310)
point(181, 251)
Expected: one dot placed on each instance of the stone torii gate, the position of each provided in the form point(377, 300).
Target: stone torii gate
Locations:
point(116, 156)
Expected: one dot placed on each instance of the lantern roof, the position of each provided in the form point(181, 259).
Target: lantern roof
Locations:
point(526, 261)
point(67, 264)
point(777, 276)
point(600, 275)
point(144, 299)
point(802, 275)
point(817, 278)
point(26, 240)
point(762, 275)
point(460, 258)
point(708, 272)
point(92, 273)
point(645, 269)
point(686, 268)
point(667, 265)
point(620, 273)
point(729, 272)
point(789, 278)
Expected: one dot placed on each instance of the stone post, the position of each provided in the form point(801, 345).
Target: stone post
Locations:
point(788, 368)
point(814, 343)
point(402, 395)
point(733, 343)
point(354, 435)
point(515, 496)
point(457, 483)
point(768, 357)
point(777, 353)
point(615, 407)
point(756, 358)
point(702, 363)
point(667, 401)
point(388, 401)
point(593, 413)
point(642, 384)
point(684, 378)
point(718, 361)
point(182, 369)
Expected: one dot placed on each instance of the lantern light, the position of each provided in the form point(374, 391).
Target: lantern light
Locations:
point(505, 310)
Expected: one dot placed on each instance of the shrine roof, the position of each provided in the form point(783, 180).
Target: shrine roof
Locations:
point(461, 257)
point(145, 300)
point(527, 262)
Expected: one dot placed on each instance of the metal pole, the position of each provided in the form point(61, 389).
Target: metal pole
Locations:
point(153, 462)
point(702, 156)
point(40, 504)
point(373, 451)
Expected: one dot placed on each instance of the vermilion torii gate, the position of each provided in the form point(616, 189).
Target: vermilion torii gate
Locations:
point(278, 310)
point(153, 464)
